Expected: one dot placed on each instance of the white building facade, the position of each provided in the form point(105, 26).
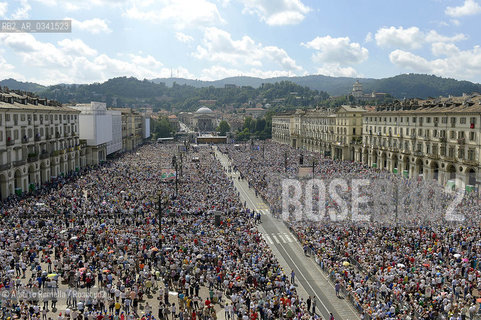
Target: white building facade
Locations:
point(115, 145)
point(95, 127)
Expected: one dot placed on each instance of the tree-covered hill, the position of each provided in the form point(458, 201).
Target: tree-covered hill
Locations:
point(23, 86)
point(184, 94)
point(401, 86)
point(133, 92)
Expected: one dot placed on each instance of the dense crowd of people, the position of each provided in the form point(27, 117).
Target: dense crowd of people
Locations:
point(408, 260)
point(90, 246)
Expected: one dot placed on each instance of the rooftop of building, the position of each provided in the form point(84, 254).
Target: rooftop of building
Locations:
point(349, 108)
point(255, 109)
point(460, 104)
point(14, 100)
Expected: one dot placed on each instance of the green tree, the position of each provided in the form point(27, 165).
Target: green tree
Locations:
point(260, 125)
point(223, 128)
point(161, 128)
point(243, 135)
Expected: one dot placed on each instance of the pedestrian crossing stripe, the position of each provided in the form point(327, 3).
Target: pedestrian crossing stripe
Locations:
point(279, 238)
point(275, 239)
point(268, 239)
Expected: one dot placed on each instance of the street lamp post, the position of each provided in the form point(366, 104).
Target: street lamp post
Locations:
point(175, 165)
point(396, 213)
point(176, 181)
point(160, 220)
point(313, 167)
point(181, 165)
point(285, 161)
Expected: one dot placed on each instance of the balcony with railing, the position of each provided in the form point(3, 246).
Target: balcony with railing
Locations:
point(10, 141)
point(471, 162)
point(25, 139)
point(418, 153)
point(449, 157)
point(44, 155)
point(32, 157)
point(18, 163)
point(37, 137)
point(461, 141)
point(5, 166)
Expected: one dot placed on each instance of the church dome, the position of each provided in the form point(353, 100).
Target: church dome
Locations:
point(204, 110)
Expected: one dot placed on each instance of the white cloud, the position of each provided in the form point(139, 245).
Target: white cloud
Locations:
point(456, 63)
point(184, 38)
point(337, 50)
point(147, 61)
point(219, 72)
point(22, 12)
point(76, 47)
point(433, 36)
point(75, 5)
point(444, 49)
point(368, 37)
point(455, 22)
point(73, 61)
point(218, 45)
point(94, 26)
point(8, 70)
point(335, 70)
point(3, 8)
point(411, 38)
point(180, 13)
point(469, 8)
point(20, 43)
point(277, 12)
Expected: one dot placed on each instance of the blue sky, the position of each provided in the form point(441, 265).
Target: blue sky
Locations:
point(214, 39)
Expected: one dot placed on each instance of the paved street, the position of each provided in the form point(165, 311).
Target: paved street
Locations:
point(313, 282)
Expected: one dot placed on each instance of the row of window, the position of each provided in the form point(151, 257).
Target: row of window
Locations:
point(424, 133)
point(462, 120)
point(39, 132)
point(28, 117)
point(428, 149)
